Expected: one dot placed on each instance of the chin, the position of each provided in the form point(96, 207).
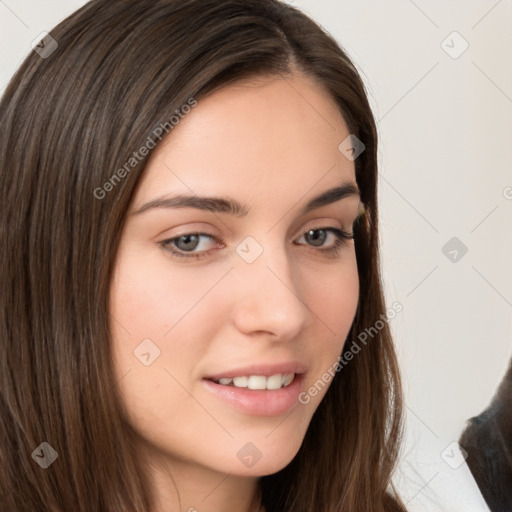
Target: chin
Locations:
point(267, 461)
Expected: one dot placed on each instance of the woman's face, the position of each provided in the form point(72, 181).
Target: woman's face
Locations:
point(266, 289)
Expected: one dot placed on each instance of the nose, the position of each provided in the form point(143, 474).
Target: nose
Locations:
point(268, 297)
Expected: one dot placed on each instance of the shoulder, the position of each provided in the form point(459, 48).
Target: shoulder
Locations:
point(488, 442)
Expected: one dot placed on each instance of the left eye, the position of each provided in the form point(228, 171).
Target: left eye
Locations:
point(190, 245)
point(317, 237)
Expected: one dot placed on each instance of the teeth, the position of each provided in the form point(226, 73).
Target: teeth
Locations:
point(240, 382)
point(274, 382)
point(277, 381)
point(257, 382)
point(287, 380)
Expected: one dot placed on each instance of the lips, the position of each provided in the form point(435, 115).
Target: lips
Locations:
point(261, 402)
point(259, 389)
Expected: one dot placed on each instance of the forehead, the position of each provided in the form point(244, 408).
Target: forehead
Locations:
point(264, 138)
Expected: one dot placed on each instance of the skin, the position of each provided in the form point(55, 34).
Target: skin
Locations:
point(271, 144)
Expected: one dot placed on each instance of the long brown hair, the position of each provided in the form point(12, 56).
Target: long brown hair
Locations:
point(70, 119)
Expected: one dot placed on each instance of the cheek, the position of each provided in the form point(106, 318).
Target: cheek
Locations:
point(151, 295)
point(333, 295)
point(160, 328)
point(160, 310)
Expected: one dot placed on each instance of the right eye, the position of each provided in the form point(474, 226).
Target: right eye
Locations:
point(187, 245)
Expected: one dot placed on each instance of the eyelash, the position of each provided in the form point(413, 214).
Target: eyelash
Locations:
point(342, 239)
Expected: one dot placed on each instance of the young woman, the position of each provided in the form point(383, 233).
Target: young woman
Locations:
point(192, 310)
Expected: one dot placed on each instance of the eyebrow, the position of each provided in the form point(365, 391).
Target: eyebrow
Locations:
point(233, 207)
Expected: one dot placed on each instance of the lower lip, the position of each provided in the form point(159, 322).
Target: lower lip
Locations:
point(260, 402)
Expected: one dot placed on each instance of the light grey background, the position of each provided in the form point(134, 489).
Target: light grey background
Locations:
point(445, 126)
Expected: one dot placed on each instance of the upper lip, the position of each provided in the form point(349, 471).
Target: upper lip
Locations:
point(263, 369)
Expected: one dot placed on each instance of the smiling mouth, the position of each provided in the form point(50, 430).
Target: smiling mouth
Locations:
point(257, 382)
